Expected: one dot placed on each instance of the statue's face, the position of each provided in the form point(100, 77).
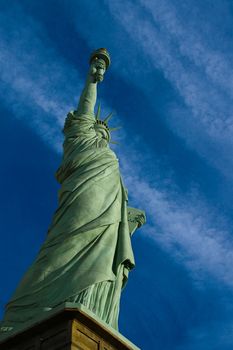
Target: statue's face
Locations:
point(101, 132)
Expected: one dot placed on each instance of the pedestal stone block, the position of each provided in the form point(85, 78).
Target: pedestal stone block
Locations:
point(67, 327)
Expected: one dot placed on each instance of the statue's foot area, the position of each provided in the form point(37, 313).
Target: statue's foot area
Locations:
point(103, 300)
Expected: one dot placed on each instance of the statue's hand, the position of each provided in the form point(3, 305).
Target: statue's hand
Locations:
point(97, 70)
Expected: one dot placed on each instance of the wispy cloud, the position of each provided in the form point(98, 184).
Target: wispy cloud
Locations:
point(183, 225)
point(201, 75)
point(39, 86)
point(34, 77)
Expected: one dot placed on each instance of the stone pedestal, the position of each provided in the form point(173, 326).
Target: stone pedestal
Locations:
point(67, 327)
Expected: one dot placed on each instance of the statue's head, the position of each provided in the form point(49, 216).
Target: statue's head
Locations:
point(102, 130)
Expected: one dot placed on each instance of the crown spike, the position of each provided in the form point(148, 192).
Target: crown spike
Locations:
point(115, 129)
point(114, 142)
point(108, 117)
point(97, 116)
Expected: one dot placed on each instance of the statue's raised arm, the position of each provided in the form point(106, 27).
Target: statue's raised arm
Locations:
point(99, 62)
point(87, 254)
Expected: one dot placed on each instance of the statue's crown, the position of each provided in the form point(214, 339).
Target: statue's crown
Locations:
point(104, 123)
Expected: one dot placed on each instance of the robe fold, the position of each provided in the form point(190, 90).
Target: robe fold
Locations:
point(87, 252)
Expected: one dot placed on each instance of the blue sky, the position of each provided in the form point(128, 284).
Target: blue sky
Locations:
point(171, 87)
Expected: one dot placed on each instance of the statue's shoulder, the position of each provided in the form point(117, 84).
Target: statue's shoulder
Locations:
point(69, 118)
point(81, 121)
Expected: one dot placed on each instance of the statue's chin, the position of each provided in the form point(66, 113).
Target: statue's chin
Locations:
point(102, 142)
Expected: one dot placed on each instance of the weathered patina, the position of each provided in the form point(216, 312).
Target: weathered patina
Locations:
point(87, 254)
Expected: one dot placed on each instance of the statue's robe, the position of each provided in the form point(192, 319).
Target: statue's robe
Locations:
point(87, 253)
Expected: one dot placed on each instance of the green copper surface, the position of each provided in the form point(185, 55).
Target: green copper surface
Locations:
point(87, 254)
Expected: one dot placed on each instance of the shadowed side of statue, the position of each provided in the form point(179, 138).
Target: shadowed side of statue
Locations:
point(87, 254)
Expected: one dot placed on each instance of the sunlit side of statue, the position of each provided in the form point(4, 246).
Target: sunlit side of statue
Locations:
point(87, 253)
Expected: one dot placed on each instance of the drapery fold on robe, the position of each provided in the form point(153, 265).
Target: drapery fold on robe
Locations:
point(88, 239)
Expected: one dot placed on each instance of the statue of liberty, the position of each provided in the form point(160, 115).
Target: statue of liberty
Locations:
point(87, 254)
